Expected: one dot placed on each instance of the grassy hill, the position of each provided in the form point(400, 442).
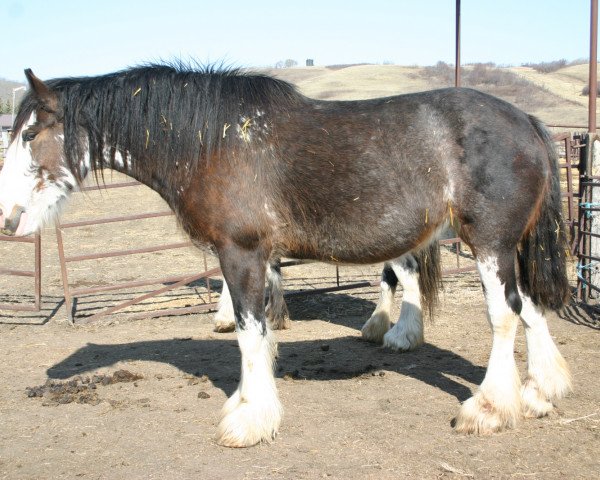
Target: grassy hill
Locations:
point(354, 81)
point(566, 83)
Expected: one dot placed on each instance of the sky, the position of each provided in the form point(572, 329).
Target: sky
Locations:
point(60, 38)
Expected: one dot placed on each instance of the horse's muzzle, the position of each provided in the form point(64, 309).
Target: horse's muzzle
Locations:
point(11, 223)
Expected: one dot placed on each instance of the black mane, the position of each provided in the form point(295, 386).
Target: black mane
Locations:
point(171, 111)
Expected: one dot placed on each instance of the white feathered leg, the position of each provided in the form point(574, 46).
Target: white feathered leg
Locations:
point(379, 323)
point(548, 376)
point(253, 413)
point(497, 403)
point(407, 334)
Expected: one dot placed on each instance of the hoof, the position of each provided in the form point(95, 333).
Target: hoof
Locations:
point(376, 327)
point(480, 416)
point(282, 323)
point(536, 403)
point(278, 316)
point(402, 340)
point(224, 326)
point(243, 425)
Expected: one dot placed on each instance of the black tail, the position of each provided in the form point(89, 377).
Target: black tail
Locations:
point(542, 254)
point(430, 276)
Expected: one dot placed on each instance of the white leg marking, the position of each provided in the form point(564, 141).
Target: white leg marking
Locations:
point(407, 334)
point(497, 402)
point(253, 413)
point(379, 323)
point(548, 376)
point(224, 318)
point(277, 312)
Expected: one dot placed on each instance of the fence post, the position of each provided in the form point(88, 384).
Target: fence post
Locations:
point(594, 171)
point(64, 275)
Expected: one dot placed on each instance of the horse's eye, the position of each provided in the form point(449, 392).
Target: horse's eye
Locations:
point(46, 108)
point(28, 135)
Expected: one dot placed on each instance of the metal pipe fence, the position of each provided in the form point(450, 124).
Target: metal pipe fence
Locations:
point(36, 274)
point(169, 283)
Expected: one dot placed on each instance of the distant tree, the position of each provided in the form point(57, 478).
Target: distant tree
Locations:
point(286, 63)
point(547, 67)
point(5, 106)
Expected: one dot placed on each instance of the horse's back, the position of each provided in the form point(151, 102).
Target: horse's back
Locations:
point(370, 180)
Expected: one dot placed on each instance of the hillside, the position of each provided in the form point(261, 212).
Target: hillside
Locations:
point(566, 83)
point(355, 81)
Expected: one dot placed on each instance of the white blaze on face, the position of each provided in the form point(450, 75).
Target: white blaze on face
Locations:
point(27, 188)
point(46, 202)
point(18, 175)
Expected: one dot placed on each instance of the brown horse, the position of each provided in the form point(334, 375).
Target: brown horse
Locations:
point(419, 275)
point(256, 171)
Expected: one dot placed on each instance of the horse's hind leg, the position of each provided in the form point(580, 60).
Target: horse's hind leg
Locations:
point(253, 413)
point(277, 312)
point(548, 376)
point(407, 333)
point(224, 318)
point(380, 321)
point(497, 402)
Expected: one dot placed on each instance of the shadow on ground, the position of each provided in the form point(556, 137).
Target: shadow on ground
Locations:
point(48, 309)
point(334, 359)
point(582, 314)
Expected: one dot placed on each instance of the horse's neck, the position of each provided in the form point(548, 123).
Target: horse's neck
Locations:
point(146, 174)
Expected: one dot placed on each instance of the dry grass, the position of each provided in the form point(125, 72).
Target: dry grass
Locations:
point(355, 82)
point(564, 85)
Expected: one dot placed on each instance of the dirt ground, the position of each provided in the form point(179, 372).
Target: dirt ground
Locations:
point(140, 399)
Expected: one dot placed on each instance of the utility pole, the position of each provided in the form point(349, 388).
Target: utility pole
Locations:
point(15, 90)
point(457, 47)
point(593, 156)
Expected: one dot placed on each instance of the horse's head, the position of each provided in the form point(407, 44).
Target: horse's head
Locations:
point(35, 180)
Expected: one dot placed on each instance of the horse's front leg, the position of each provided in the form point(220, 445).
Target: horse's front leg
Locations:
point(253, 413)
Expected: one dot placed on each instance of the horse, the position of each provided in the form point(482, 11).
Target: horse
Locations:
point(254, 171)
point(276, 311)
point(419, 274)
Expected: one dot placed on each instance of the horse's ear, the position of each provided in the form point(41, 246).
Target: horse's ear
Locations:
point(47, 98)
